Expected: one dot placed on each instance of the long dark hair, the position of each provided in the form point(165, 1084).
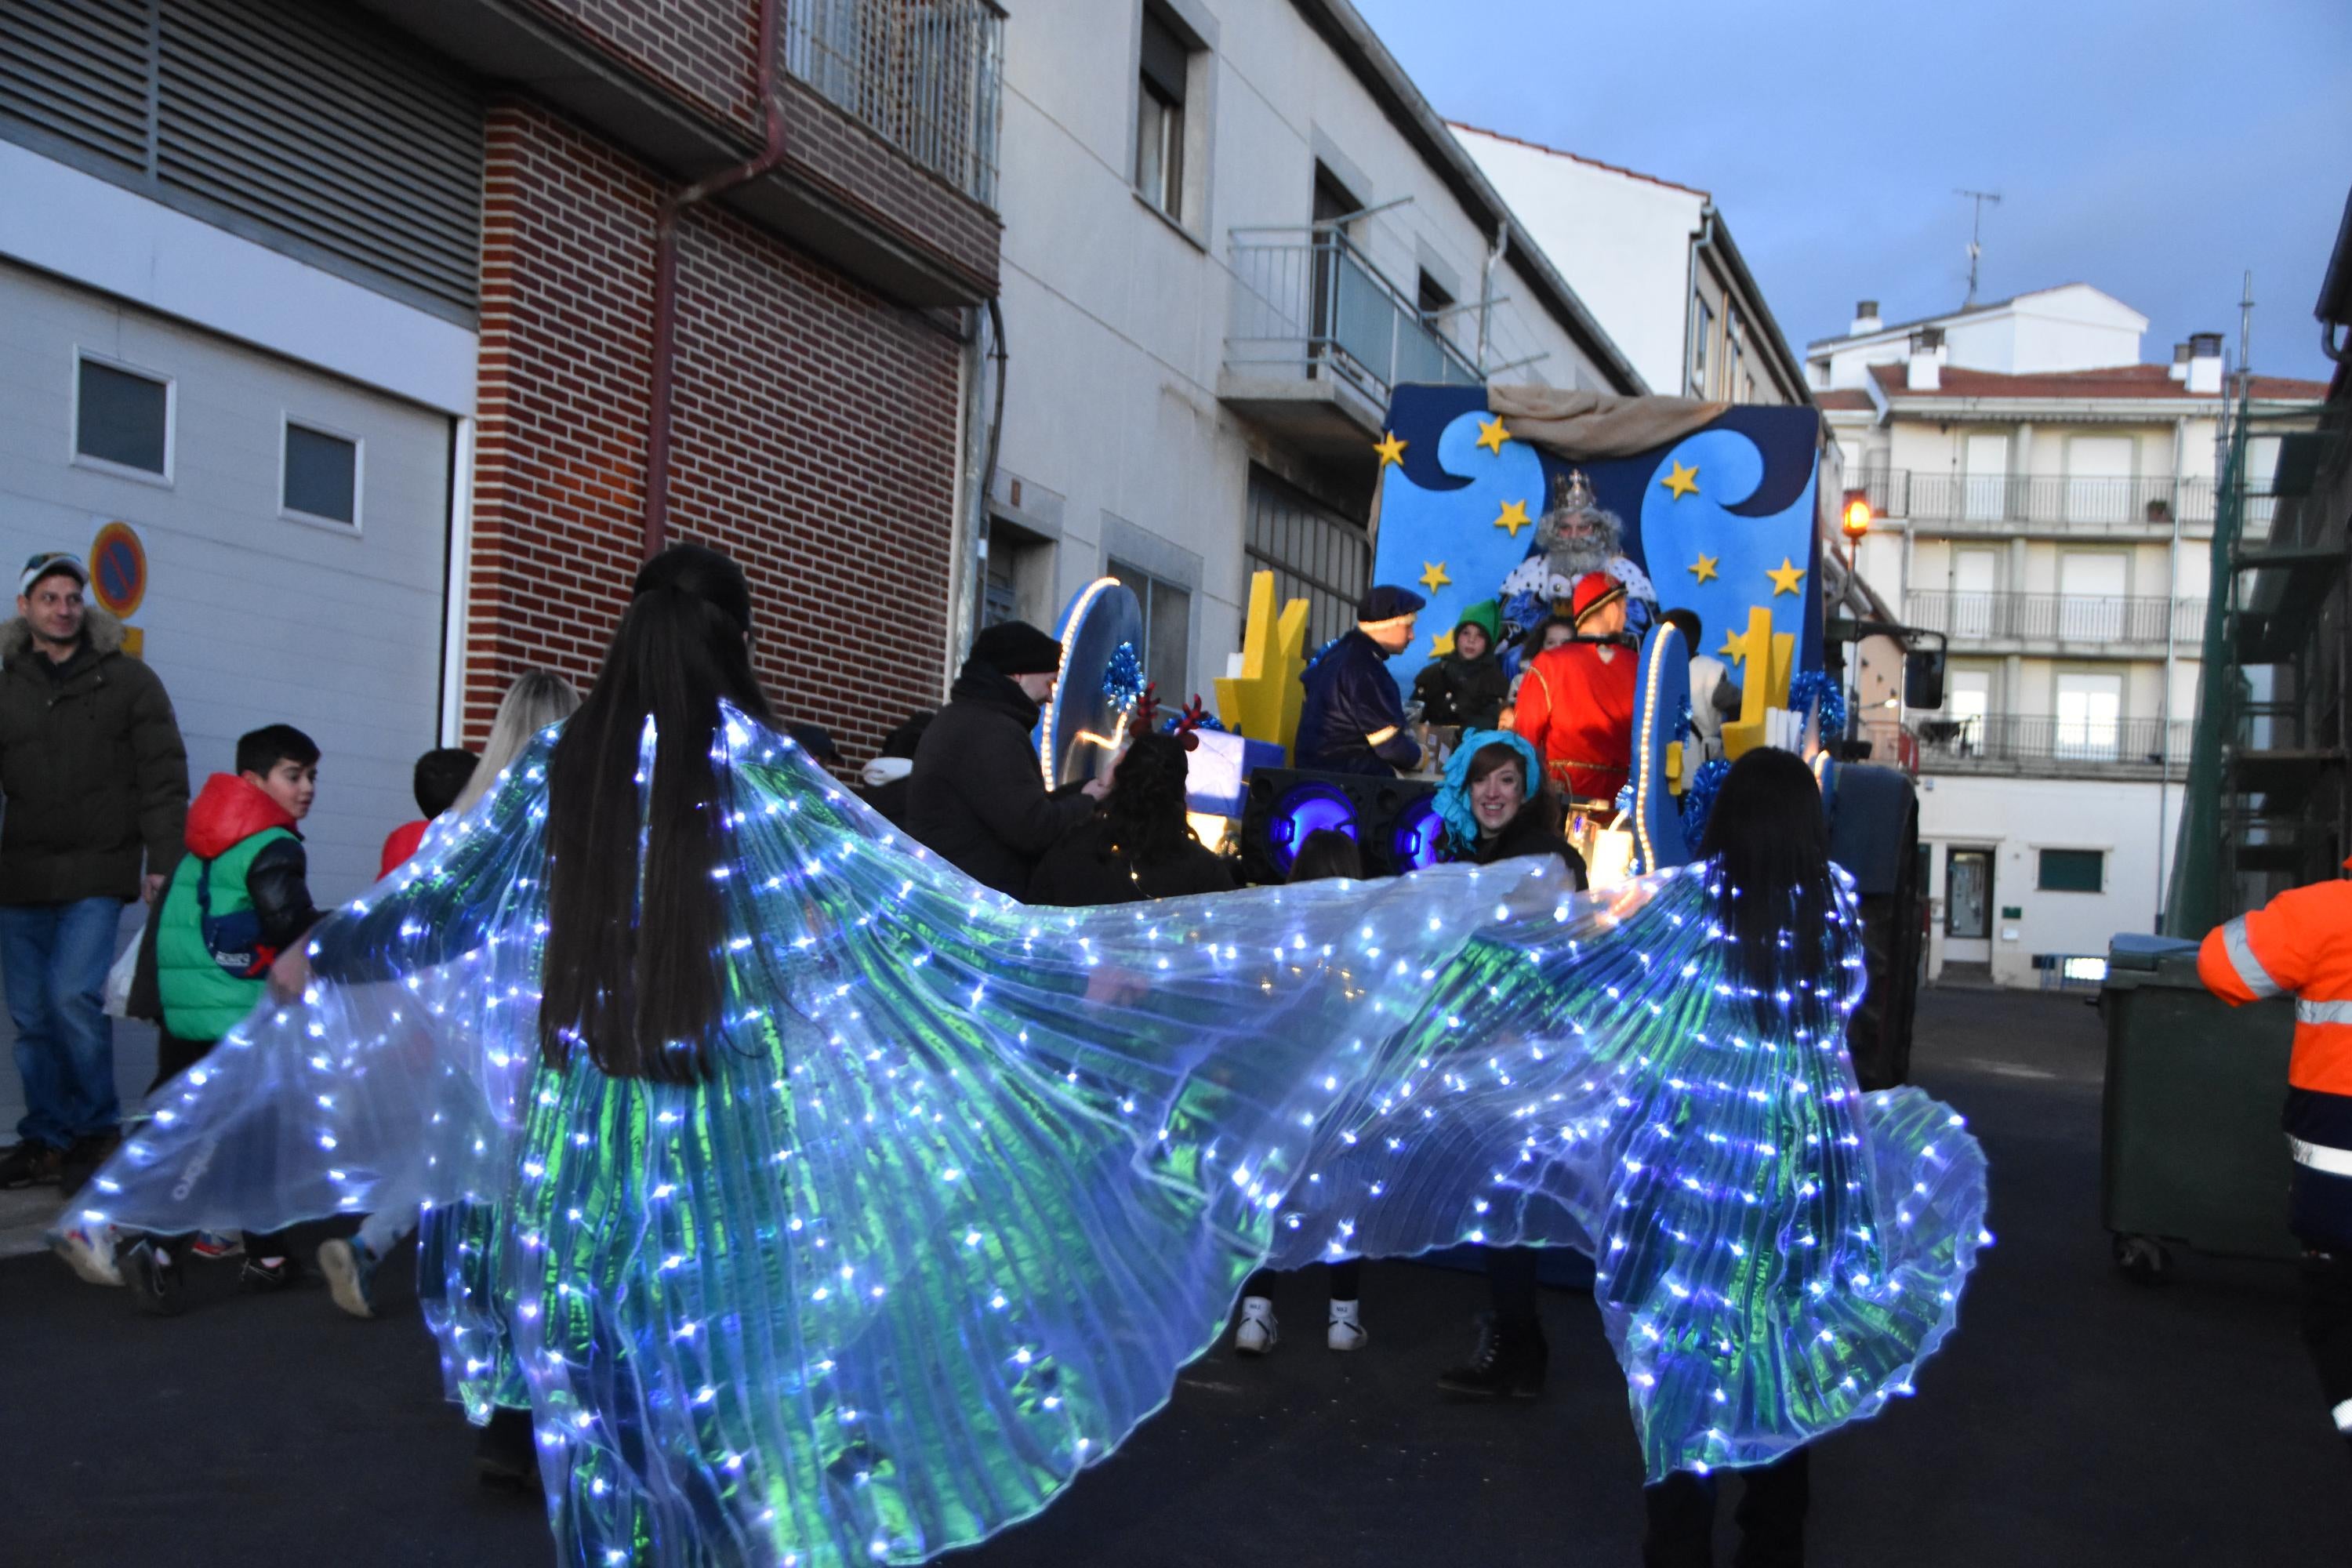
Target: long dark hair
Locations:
point(1778, 898)
point(1327, 852)
point(1143, 814)
point(630, 969)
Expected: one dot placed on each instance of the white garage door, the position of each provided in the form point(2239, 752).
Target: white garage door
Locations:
point(255, 612)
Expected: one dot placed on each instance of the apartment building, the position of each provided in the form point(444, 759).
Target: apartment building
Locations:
point(2046, 502)
point(1230, 229)
point(1655, 261)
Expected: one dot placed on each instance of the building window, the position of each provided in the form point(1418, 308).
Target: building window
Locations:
point(2073, 871)
point(122, 418)
point(2090, 717)
point(1314, 554)
point(319, 476)
point(1166, 630)
point(1734, 353)
point(1159, 115)
point(1702, 332)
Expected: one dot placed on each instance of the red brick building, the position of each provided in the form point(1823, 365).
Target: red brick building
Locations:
point(820, 335)
point(353, 316)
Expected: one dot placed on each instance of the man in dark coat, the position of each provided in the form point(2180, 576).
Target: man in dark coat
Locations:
point(97, 785)
point(1353, 719)
point(976, 795)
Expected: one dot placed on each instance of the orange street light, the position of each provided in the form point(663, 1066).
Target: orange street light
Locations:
point(1854, 520)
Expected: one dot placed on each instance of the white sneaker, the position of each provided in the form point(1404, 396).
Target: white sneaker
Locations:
point(90, 1250)
point(1256, 1334)
point(1346, 1333)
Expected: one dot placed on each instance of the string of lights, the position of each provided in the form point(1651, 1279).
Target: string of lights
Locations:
point(967, 1181)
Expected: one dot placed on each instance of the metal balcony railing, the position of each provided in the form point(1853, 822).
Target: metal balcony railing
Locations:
point(2056, 617)
point(926, 75)
point(2049, 738)
point(1308, 303)
point(1991, 502)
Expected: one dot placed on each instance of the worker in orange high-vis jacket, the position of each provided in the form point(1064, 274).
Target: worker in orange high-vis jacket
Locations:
point(2300, 942)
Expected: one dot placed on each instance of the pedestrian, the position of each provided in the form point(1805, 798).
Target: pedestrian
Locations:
point(1782, 910)
point(1576, 706)
point(96, 783)
point(976, 795)
point(239, 897)
point(1352, 720)
point(439, 777)
point(1713, 695)
point(1323, 854)
point(1138, 844)
point(534, 700)
point(817, 742)
point(1466, 688)
point(836, 1207)
point(2301, 943)
point(883, 781)
point(1494, 808)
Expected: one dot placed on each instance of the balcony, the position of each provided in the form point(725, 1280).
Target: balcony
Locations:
point(1320, 336)
point(2006, 504)
point(924, 75)
point(2049, 745)
point(2055, 624)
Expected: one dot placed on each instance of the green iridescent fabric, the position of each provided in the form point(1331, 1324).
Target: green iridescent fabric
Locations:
point(968, 1182)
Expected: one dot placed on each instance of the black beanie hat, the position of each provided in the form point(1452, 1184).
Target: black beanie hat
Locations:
point(1016, 647)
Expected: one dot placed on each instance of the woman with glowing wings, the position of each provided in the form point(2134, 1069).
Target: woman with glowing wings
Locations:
point(829, 1208)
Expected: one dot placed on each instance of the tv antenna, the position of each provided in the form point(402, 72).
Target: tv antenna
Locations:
point(1976, 237)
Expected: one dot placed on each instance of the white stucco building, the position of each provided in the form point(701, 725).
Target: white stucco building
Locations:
point(2046, 501)
point(1229, 228)
point(1655, 262)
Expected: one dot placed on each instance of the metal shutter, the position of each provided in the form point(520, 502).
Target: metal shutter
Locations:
point(295, 123)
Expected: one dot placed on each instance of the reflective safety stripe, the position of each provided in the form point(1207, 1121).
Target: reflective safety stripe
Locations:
point(2343, 1414)
point(1382, 737)
point(2320, 1157)
point(2323, 1012)
point(2242, 958)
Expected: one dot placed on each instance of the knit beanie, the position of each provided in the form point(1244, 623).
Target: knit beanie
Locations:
point(1016, 647)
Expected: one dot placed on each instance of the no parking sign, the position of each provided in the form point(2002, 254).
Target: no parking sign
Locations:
point(118, 568)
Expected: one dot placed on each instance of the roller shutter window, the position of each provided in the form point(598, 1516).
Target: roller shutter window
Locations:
point(302, 126)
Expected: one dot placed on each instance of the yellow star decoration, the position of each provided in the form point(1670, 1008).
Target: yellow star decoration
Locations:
point(1392, 450)
point(1492, 435)
point(1704, 568)
point(1432, 575)
point(1441, 644)
point(1514, 517)
point(1786, 579)
point(1682, 482)
point(1734, 646)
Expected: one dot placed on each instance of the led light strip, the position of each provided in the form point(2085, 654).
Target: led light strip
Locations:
point(1052, 704)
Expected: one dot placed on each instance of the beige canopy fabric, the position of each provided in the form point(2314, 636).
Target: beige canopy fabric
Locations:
point(1577, 426)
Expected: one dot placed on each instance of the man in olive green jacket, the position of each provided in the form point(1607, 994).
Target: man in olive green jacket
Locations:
point(96, 781)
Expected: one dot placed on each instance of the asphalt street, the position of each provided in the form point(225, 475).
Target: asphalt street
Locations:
point(2074, 1418)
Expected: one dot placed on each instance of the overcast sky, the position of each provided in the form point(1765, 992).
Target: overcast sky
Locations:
point(2153, 148)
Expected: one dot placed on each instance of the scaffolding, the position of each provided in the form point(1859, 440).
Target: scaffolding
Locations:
point(2266, 804)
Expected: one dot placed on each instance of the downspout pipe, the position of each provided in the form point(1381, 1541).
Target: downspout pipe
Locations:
point(660, 398)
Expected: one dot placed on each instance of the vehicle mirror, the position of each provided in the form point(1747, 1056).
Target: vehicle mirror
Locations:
point(1922, 677)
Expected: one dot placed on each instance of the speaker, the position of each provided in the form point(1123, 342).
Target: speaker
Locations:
point(1394, 821)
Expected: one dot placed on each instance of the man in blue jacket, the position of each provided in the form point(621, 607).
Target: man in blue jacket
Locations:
point(1353, 719)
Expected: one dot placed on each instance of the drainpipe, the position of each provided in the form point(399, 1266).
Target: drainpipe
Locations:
point(665, 346)
point(1487, 293)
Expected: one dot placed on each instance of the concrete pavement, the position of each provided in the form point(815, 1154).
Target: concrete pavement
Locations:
point(2074, 1419)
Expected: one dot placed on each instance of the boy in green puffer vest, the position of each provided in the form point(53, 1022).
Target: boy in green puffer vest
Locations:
point(239, 898)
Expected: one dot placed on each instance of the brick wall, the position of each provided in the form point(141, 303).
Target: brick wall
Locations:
point(705, 53)
point(814, 434)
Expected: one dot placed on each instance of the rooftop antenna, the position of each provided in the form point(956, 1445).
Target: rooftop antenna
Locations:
point(2246, 326)
point(1976, 237)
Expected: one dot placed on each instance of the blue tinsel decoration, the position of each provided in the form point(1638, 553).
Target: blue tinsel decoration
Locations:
point(1699, 801)
point(1123, 677)
point(1817, 687)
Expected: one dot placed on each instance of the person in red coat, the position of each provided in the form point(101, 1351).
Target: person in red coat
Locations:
point(441, 776)
point(1576, 705)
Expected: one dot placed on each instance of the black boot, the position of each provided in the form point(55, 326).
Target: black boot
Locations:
point(507, 1453)
point(1510, 1362)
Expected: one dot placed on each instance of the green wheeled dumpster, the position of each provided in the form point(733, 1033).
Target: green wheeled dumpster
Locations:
point(2192, 1152)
